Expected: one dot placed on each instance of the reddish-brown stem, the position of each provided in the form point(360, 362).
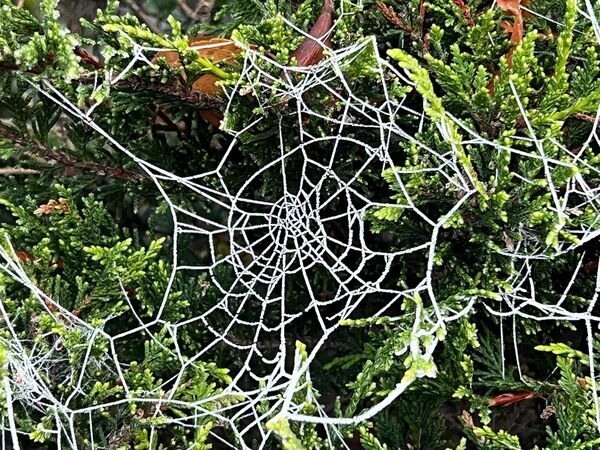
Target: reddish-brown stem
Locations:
point(585, 117)
point(422, 12)
point(466, 12)
point(63, 158)
point(394, 19)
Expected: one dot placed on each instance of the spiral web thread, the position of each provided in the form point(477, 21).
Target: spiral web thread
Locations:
point(273, 239)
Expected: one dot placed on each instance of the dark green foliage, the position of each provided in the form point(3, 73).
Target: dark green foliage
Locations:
point(75, 254)
point(92, 231)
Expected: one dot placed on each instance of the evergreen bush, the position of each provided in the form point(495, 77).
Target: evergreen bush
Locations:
point(428, 176)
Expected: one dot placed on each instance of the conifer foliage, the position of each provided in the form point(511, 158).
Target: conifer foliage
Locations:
point(361, 224)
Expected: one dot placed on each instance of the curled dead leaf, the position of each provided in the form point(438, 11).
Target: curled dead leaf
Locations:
point(516, 28)
point(25, 256)
point(215, 50)
point(311, 48)
point(548, 412)
point(509, 398)
point(467, 419)
point(88, 58)
point(53, 206)
point(513, 7)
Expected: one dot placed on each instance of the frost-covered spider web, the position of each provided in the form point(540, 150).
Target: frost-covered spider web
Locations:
point(305, 238)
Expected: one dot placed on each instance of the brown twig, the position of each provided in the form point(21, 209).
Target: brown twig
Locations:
point(85, 56)
point(466, 12)
point(6, 171)
point(585, 117)
point(173, 89)
point(203, 10)
point(144, 16)
point(394, 19)
point(95, 62)
point(422, 12)
point(203, 101)
point(4, 65)
point(63, 158)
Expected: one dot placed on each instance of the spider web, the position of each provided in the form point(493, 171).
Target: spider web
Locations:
point(278, 243)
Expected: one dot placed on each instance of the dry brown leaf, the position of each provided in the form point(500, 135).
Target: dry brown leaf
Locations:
point(25, 256)
point(509, 398)
point(548, 412)
point(516, 28)
point(215, 50)
point(52, 206)
point(310, 50)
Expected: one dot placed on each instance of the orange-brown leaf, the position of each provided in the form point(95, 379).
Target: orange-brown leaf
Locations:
point(28, 257)
point(52, 206)
point(86, 57)
point(212, 117)
point(214, 49)
point(516, 30)
point(514, 7)
point(207, 84)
